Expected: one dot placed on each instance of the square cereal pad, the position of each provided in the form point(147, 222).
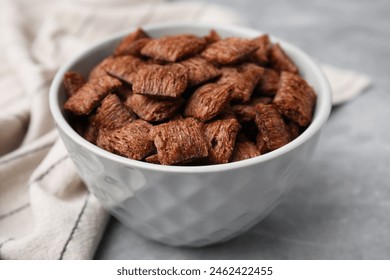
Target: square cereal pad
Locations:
point(123, 67)
point(272, 128)
point(244, 79)
point(244, 150)
point(208, 101)
point(280, 61)
point(268, 83)
point(295, 99)
point(99, 70)
point(73, 81)
point(221, 137)
point(131, 140)
point(179, 141)
point(152, 109)
point(164, 81)
point(90, 94)
point(174, 48)
point(112, 114)
point(260, 56)
point(229, 50)
point(199, 70)
point(132, 43)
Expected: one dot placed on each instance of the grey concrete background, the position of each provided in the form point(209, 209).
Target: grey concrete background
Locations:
point(339, 207)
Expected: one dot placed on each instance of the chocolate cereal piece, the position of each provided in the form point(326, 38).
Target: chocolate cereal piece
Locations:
point(261, 145)
point(271, 126)
point(124, 67)
point(244, 150)
point(208, 101)
point(103, 140)
point(91, 130)
point(244, 80)
point(229, 50)
point(112, 114)
point(244, 113)
point(73, 81)
point(99, 70)
point(295, 99)
point(132, 43)
point(179, 141)
point(174, 48)
point(161, 80)
point(268, 83)
point(212, 37)
point(260, 56)
point(90, 95)
point(293, 129)
point(131, 140)
point(221, 137)
point(280, 61)
point(153, 159)
point(153, 109)
point(200, 71)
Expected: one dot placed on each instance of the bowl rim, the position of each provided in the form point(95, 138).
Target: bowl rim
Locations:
point(323, 108)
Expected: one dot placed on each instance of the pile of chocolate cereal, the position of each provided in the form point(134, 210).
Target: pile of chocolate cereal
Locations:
point(189, 100)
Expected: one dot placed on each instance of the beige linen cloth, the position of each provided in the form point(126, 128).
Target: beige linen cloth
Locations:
point(45, 210)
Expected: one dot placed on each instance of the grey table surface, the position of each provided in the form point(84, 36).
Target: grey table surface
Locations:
point(339, 207)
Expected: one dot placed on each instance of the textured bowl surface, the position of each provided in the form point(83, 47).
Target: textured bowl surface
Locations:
point(189, 205)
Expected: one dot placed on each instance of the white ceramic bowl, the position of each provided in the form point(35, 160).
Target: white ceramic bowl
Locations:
point(189, 205)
